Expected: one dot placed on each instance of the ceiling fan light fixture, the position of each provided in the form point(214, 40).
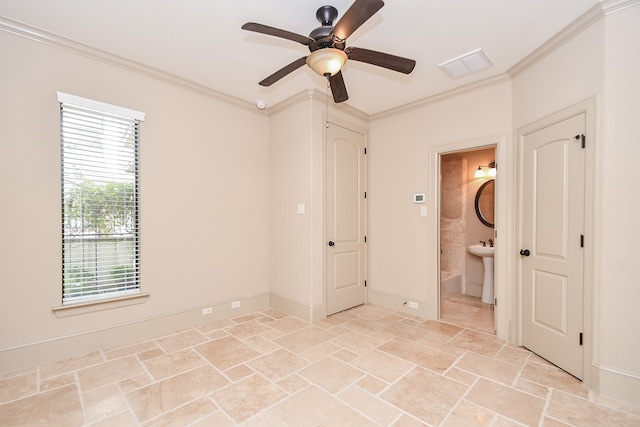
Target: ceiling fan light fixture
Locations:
point(327, 46)
point(326, 61)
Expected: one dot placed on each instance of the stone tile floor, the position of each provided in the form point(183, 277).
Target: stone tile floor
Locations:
point(367, 366)
point(469, 312)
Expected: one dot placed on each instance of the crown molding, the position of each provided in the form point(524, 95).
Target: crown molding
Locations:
point(298, 98)
point(612, 6)
point(490, 81)
point(345, 108)
point(605, 7)
point(595, 14)
point(317, 95)
point(41, 36)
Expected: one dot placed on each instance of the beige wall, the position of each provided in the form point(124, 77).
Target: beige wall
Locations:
point(291, 184)
point(297, 162)
point(210, 166)
point(204, 177)
point(401, 263)
point(602, 63)
point(618, 233)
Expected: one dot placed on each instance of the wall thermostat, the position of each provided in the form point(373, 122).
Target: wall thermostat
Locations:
point(419, 198)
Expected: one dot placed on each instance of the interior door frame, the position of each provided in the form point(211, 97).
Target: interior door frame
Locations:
point(588, 108)
point(502, 225)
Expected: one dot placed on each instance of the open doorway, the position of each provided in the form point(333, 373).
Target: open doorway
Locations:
point(466, 218)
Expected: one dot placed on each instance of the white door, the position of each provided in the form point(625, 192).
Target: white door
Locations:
point(346, 219)
point(552, 238)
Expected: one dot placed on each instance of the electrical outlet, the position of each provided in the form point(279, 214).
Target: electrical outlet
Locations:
point(413, 305)
point(207, 310)
point(235, 304)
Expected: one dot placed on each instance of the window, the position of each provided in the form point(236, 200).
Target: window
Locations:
point(100, 241)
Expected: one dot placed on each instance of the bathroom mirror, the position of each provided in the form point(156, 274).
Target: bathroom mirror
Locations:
point(485, 200)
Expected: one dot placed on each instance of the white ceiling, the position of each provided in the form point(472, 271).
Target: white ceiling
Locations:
point(201, 40)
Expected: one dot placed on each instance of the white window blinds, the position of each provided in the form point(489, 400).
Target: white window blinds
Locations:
point(100, 242)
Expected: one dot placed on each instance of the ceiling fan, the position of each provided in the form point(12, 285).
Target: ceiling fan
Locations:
point(328, 48)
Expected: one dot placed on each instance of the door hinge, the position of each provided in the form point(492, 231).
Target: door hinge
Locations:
point(582, 139)
point(365, 151)
point(365, 194)
point(365, 283)
point(365, 239)
point(582, 240)
point(580, 338)
point(495, 302)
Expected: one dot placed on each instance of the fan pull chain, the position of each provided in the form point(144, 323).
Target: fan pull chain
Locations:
point(326, 123)
point(328, 88)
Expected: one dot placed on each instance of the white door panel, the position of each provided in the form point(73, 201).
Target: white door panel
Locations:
point(346, 219)
point(552, 255)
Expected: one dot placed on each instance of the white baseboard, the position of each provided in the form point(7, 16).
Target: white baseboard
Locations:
point(397, 303)
point(36, 353)
point(615, 383)
point(297, 309)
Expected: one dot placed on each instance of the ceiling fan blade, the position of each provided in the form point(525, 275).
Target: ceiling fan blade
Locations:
point(392, 62)
point(359, 12)
point(277, 32)
point(283, 71)
point(338, 88)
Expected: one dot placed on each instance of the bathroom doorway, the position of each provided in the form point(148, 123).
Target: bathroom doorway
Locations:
point(466, 218)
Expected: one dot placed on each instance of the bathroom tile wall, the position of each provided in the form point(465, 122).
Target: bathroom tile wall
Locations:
point(452, 209)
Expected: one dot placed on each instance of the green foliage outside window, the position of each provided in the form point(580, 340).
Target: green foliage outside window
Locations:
point(103, 209)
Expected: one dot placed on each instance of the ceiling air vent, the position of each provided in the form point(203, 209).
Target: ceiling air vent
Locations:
point(465, 64)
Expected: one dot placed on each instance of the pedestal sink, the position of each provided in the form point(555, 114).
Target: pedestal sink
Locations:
point(486, 253)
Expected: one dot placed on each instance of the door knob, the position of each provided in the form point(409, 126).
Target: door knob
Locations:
point(525, 252)
point(331, 243)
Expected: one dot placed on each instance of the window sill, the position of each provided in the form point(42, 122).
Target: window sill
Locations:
point(100, 305)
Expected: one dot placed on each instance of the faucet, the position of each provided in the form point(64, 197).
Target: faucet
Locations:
point(483, 243)
point(491, 242)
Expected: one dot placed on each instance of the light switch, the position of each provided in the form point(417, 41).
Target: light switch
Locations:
point(423, 211)
point(300, 208)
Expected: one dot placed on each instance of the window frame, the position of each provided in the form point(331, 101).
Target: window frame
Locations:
point(123, 283)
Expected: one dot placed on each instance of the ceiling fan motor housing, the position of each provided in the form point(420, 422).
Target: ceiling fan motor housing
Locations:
point(326, 15)
point(323, 35)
